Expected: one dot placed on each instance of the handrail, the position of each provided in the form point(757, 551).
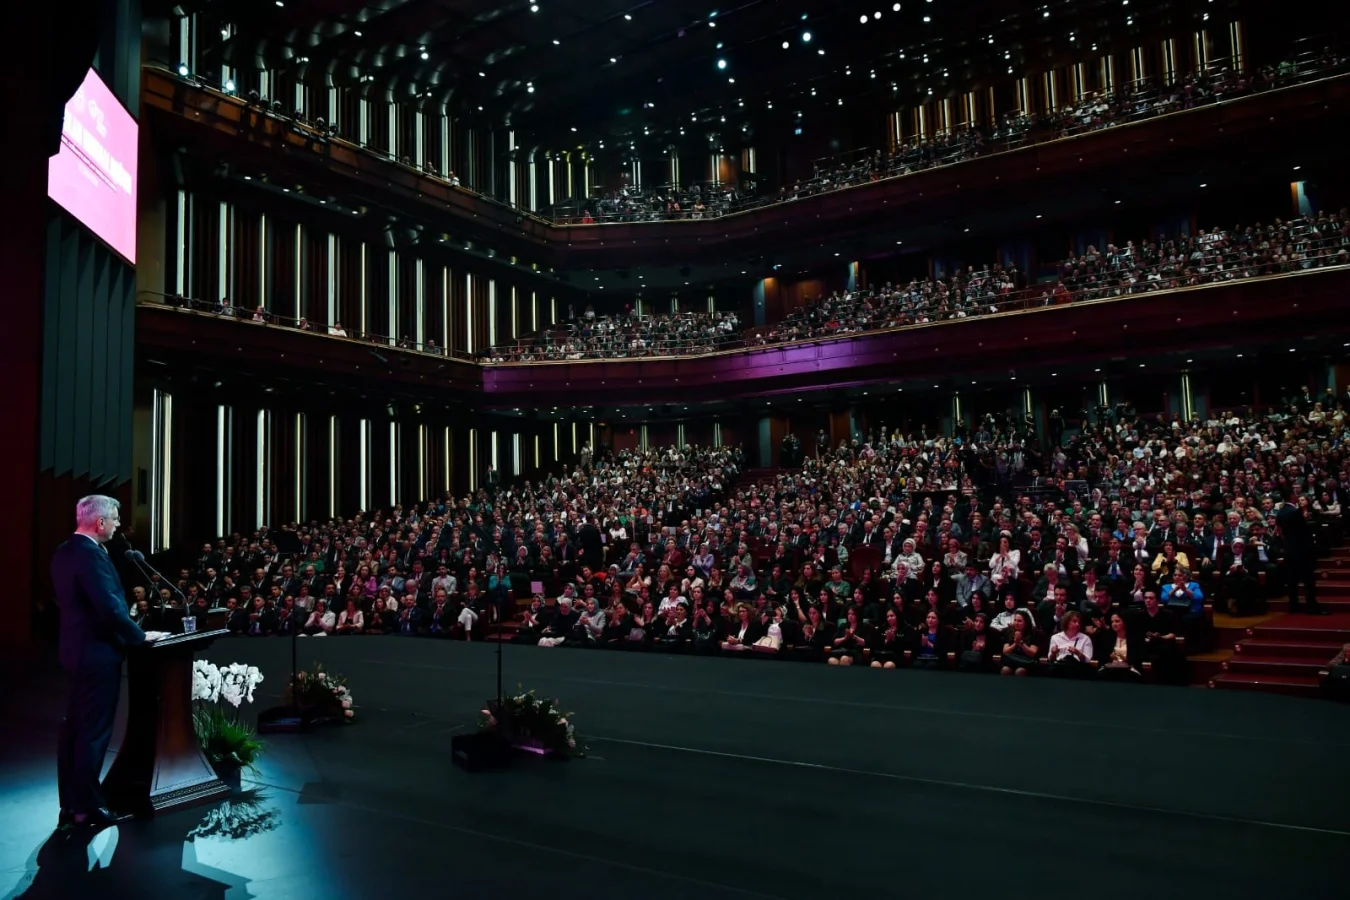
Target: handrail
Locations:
point(261, 316)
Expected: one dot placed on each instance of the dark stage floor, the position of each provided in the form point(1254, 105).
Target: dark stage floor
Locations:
point(716, 778)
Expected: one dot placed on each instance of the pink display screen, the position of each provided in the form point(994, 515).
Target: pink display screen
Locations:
point(93, 176)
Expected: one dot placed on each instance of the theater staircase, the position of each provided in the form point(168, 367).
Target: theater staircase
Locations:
point(1283, 652)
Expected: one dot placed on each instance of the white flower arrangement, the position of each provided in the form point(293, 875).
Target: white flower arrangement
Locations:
point(228, 744)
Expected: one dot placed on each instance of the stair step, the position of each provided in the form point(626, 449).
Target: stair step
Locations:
point(1321, 650)
point(1291, 685)
point(1293, 628)
point(1335, 603)
point(1275, 665)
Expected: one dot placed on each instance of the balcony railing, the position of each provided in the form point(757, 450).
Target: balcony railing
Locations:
point(1132, 103)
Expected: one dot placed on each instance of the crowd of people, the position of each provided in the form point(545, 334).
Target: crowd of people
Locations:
point(1209, 256)
point(623, 336)
point(988, 550)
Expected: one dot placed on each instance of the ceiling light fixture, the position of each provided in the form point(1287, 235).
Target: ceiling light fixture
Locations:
point(721, 64)
point(785, 45)
point(806, 37)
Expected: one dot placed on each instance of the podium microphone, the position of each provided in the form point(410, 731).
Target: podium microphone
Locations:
point(137, 558)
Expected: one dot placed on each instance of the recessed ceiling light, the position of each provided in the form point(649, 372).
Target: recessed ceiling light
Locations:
point(1296, 168)
point(1239, 356)
point(613, 59)
point(534, 7)
point(556, 42)
point(1204, 184)
point(721, 64)
point(895, 8)
point(482, 74)
point(785, 45)
point(1096, 370)
point(357, 33)
point(806, 37)
point(425, 55)
point(862, 20)
point(627, 17)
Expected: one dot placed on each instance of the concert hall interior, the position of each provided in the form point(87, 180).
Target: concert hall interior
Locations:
point(667, 359)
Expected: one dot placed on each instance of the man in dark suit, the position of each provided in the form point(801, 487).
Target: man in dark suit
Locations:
point(96, 633)
point(1301, 554)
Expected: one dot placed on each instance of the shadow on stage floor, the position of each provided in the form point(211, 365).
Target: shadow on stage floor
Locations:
point(724, 778)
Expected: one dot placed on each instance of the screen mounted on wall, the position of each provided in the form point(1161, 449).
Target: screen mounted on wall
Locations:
point(93, 176)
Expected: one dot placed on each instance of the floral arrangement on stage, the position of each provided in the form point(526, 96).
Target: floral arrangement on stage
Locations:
point(229, 744)
point(532, 723)
point(322, 695)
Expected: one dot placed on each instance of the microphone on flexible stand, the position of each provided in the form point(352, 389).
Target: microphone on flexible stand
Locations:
point(138, 559)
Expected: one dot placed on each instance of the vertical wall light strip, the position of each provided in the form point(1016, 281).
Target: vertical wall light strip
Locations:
point(591, 438)
point(393, 298)
point(185, 43)
point(533, 185)
point(717, 434)
point(393, 463)
point(419, 139)
point(333, 106)
point(574, 438)
point(643, 437)
point(332, 267)
point(511, 189)
point(181, 246)
point(299, 467)
point(421, 462)
point(553, 310)
point(363, 121)
point(552, 199)
point(365, 464)
point(263, 300)
point(223, 254)
point(419, 323)
point(393, 129)
point(222, 467)
point(1187, 406)
point(332, 466)
point(445, 309)
point(473, 459)
point(260, 469)
point(468, 312)
point(534, 311)
point(556, 443)
point(445, 146)
point(166, 470)
point(447, 459)
point(364, 323)
point(300, 98)
point(515, 313)
point(299, 271)
point(536, 451)
point(679, 435)
point(1237, 41)
point(515, 455)
point(492, 312)
point(494, 460)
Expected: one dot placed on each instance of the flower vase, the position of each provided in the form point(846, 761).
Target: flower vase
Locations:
point(232, 776)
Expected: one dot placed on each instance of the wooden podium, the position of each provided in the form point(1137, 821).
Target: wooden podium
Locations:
point(160, 765)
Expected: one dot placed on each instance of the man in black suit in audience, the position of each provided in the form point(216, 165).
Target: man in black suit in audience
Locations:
point(1300, 553)
point(96, 633)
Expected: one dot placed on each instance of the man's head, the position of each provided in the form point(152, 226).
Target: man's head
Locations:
point(98, 517)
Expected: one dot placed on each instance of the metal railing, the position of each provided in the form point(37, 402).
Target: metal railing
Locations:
point(261, 317)
point(625, 337)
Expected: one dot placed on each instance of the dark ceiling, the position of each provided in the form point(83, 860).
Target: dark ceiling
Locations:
point(572, 73)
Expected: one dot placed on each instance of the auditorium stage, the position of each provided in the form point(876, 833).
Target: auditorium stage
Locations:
point(724, 778)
